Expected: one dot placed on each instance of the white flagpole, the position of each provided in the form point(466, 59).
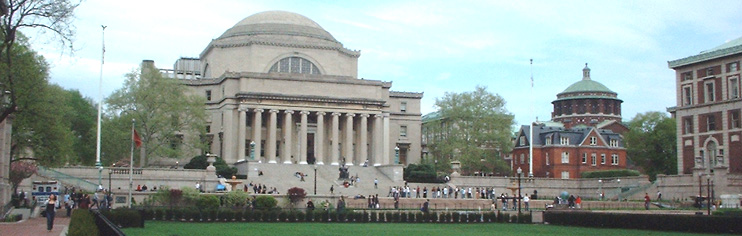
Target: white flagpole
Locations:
point(530, 145)
point(131, 163)
point(98, 164)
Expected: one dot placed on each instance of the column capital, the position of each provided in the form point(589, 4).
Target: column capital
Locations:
point(336, 114)
point(258, 110)
point(273, 111)
point(242, 108)
point(288, 111)
point(364, 115)
point(379, 115)
point(350, 114)
point(321, 113)
point(304, 112)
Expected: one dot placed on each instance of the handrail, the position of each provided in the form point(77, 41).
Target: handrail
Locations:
point(7, 208)
point(105, 226)
point(67, 179)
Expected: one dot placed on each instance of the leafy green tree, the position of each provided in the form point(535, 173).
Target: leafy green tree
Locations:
point(82, 117)
point(651, 143)
point(169, 120)
point(222, 168)
point(54, 16)
point(474, 128)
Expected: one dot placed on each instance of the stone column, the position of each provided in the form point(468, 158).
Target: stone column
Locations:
point(363, 142)
point(241, 130)
point(377, 136)
point(303, 138)
point(319, 139)
point(335, 137)
point(270, 146)
point(348, 150)
point(228, 137)
point(257, 131)
point(287, 123)
point(385, 140)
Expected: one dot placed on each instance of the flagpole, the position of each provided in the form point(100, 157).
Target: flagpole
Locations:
point(530, 145)
point(131, 162)
point(98, 164)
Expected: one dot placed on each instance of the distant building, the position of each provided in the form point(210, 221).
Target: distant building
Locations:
point(708, 110)
point(280, 87)
point(584, 134)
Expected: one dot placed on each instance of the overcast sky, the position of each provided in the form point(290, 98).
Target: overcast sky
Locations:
point(429, 46)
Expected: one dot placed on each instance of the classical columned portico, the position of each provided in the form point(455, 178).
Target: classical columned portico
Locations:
point(270, 146)
point(257, 131)
point(319, 138)
point(363, 142)
point(303, 138)
point(241, 129)
point(287, 123)
point(348, 150)
point(377, 140)
point(335, 137)
point(385, 142)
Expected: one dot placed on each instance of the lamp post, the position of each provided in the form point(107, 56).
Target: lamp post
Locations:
point(618, 195)
point(396, 155)
point(600, 189)
point(315, 179)
point(100, 177)
point(520, 172)
point(708, 195)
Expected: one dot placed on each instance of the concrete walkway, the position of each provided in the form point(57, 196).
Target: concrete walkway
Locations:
point(35, 226)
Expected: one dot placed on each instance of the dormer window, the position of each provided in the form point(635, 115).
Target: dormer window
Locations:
point(593, 141)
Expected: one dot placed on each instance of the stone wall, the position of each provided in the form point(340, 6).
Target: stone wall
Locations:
point(549, 188)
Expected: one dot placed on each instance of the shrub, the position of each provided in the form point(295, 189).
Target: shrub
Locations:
point(374, 216)
point(282, 216)
point(301, 217)
point(222, 168)
point(682, 223)
point(609, 173)
point(419, 217)
point(237, 199)
point(728, 212)
point(296, 194)
point(125, 218)
point(404, 217)
point(265, 202)
point(421, 173)
point(456, 217)
point(388, 217)
point(207, 202)
point(82, 222)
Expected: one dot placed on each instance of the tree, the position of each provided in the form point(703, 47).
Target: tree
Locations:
point(19, 171)
point(651, 143)
point(222, 168)
point(169, 120)
point(474, 128)
point(49, 15)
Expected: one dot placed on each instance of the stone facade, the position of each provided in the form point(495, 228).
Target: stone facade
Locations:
point(6, 190)
point(708, 110)
point(280, 89)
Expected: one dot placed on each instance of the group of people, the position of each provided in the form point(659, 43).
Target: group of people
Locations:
point(504, 198)
point(443, 192)
point(144, 188)
point(261, 189)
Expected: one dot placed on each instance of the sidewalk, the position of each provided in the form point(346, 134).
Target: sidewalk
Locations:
point(35, 226)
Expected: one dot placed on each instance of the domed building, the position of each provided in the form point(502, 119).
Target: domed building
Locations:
point(281, 89)
point(588, 103)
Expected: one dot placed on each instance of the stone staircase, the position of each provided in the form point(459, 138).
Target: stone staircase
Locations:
point(282, 177)
point(65, 179)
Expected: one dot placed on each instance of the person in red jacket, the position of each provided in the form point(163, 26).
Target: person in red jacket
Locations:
point(646, 201)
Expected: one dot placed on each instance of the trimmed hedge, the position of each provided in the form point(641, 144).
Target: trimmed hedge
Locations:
point(609, 173)
point(662, 222)
point(82, 223)
point(125, 218)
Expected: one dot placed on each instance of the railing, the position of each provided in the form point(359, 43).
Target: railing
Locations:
point(105, 226)
point(125, 171)
point(67, 179)
point(6, 209)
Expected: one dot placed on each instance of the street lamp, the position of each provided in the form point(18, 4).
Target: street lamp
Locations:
point(315, 179)
point(618, 196)
point(600, 189)
point(520, 172)
point(100, 173)
point(396, 155)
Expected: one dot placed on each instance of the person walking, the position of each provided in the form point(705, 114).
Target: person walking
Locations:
point(526, 199)
point(646, 201)
point(51, 205)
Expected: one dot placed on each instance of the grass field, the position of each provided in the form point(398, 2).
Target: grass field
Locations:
point(375, 229)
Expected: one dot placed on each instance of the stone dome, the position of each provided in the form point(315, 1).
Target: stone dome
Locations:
point(278, 24)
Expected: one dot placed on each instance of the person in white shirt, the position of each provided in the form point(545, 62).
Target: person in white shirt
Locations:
point(526, 199)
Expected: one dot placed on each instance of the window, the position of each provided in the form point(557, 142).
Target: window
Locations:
point(403, 107)
point(547, 158)
point(294, 65)
point(687, 76)
point(709, 95)
point(208, 95)
point(403, 131)
point(710, 122)
point(602, 159)
point(734, 87)
point(565, 174)
point(593, 141)
point(565, 157)
point(614, 159)
point(688, 125)
point(593, 160)
point(522, 159)
point(522, 140)
point(709, 71)
point(732, 67)
point(614, 142)
point(584, 158)
point(734, 119)
point(564, 140)
point(548, 140)
point(688, 95)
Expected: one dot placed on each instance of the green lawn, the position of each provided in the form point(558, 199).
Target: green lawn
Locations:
point(375, 229)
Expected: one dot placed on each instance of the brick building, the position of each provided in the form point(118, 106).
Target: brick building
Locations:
point(584, 134)
point(708, 110)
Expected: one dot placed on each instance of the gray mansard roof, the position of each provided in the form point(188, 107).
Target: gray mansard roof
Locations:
point(555, 133)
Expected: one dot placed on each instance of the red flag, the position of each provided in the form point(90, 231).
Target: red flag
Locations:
point(137, 139)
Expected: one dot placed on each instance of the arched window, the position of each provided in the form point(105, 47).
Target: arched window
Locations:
point(294, 65)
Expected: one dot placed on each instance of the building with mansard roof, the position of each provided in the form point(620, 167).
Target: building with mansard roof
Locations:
point(281, 89)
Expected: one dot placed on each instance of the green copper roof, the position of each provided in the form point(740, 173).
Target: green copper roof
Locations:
point(431, 117)
point(587, 86)
point(726, 49)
